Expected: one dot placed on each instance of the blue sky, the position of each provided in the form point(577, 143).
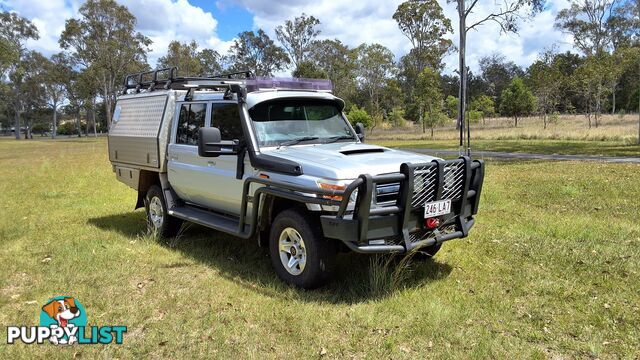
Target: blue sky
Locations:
point(232, 17)
point(215, 23)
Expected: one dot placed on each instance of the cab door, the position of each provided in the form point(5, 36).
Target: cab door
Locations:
point(183, 163)
point(220, 189)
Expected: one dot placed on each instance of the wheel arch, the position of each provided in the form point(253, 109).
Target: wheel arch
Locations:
point(147, 179)
point(270, 207)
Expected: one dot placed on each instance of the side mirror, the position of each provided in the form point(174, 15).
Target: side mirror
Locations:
point(210, 143)
point(360, 131)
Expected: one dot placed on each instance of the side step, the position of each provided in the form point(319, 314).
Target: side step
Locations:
point(209, 219)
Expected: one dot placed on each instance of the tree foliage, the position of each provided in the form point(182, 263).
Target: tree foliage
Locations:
point(297, 36)
point(517, 100)
point(104, 38)
point(484, 105)
point(423, 22)
point(191, 61)
point(375, 66)
point(256, 52)
point(429, 99)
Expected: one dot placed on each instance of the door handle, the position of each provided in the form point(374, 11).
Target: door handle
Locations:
point(211, 163)
point(173, 157)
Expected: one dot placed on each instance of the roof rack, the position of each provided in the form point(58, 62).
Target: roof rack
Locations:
point(235, 82)
point(167, 78)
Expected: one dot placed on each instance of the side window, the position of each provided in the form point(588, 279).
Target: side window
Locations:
point(190, 120)
point(225, 117)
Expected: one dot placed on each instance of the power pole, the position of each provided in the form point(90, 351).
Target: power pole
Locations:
point(462, 71)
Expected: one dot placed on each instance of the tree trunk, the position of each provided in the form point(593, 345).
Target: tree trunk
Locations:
point(598, 105)
point(544, 120)
point(421, 117)
point(516, 121)
point(17, 125)
point(613, 101)
point(78, 124)
point(107, 104)
point(93, 116)
point(54, 127)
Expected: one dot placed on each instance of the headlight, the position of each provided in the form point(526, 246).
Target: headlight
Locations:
point(337, 186)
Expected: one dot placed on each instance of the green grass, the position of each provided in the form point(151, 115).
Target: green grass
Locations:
point(549, 271)
point(564, 147)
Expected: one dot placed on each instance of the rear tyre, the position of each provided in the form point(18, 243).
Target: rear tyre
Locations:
point(299, 253)
point(158, 219)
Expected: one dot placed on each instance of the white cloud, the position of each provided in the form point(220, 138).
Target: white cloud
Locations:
point(355, 22)
point(533, 37)
point(165, 20)
point(48, 16)
point(161, 20)
point(352, 22)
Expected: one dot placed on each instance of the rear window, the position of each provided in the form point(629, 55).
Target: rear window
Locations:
point(190, 121)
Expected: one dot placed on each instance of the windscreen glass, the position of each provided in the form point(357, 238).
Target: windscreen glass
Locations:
point(290, 122)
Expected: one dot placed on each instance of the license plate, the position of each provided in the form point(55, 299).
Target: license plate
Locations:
point(437, 208)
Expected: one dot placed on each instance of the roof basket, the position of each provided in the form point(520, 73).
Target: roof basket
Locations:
point(234, 82)
point(167, 78)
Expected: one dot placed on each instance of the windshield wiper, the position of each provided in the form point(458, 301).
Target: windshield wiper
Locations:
point(297, 140)
point(333, 139)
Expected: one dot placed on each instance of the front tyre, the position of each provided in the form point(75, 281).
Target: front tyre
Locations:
point(299, 253)
point(158, 219)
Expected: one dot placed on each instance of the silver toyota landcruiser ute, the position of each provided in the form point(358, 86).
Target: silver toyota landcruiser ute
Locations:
point(277, 160)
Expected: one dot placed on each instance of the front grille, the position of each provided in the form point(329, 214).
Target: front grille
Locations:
point(425, 179)
point(424, 184)
point(387, 194)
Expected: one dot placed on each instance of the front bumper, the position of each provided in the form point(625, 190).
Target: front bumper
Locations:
point(400, 227)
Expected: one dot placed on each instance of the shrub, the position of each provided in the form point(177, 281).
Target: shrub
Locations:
point(67, 128)
point(358, 115)
point(396, 117)
point(475, 116)
point(621, 114)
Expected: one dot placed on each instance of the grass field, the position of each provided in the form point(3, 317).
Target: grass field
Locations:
point(564, 147)
point(549, 271)
point(615, 136)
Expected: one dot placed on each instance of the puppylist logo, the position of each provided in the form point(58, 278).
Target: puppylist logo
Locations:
point(63, 321)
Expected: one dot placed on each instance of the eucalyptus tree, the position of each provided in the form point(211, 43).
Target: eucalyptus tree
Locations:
point(184, 56)
point(256, 52)
point(375, 66)
point(54, 79)
point(104, 37)
point(14, 32)
point(297, 36)
point(429, 97)
point(423, 22)
point(545, 79)
point(506, 15)
point(339, 62)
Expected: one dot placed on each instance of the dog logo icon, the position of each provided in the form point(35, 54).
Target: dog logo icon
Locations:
point(63, 312)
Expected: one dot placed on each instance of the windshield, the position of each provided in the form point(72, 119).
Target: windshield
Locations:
point(290, 122)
